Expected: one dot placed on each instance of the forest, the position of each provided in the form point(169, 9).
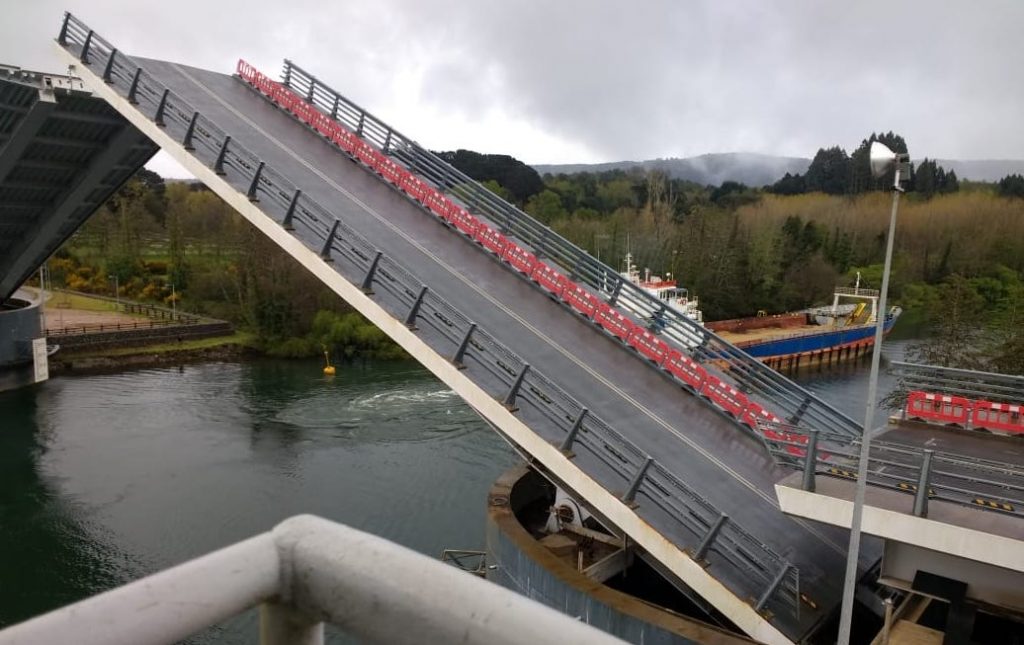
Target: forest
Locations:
point(959, 250)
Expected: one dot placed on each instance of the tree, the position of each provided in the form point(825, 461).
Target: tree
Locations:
point(789, 185)
point(955, 323)
point(829, 171)
point(931, 179)
point(1011, 186)
point(521, 180)
point(546, 206)
point(861, 179)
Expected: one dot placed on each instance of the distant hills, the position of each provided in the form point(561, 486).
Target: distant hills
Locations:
point(755, 169)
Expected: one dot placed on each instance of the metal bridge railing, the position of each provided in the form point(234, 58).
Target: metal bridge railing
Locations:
point(494, 367)
point(306, 572)
point(799, 405)
point(1000, 388)
point(922, 473)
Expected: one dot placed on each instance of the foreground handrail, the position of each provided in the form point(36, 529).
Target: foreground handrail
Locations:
point(305, 571)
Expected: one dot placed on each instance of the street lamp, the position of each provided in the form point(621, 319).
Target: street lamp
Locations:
point(882, 159)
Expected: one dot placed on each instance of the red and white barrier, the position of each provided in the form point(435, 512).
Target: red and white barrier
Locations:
point(551, 280)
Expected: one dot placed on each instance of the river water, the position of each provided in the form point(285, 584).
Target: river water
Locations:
point(106, 478)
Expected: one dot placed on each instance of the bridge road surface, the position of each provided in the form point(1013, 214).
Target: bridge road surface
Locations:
point(700, 445)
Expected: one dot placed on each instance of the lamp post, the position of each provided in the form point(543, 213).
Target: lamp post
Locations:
point(882, 159)
point(174, 304)
point(598, 238)
point(117, 292)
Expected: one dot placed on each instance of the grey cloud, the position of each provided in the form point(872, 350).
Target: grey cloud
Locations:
point(622, 80)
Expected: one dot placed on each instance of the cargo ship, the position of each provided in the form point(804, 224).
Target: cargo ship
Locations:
point(827, 334)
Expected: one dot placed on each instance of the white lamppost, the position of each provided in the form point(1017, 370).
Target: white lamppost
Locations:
point(882, 159)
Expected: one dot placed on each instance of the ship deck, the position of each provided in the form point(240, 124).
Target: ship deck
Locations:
point(741, 338)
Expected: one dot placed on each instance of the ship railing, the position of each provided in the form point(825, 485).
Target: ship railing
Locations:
point(304, 573)
point(858, 292)
point(750, 375)
point(540, 403)
point(922, 473)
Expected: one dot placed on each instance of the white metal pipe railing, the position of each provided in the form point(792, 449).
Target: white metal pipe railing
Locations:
point(306, 571)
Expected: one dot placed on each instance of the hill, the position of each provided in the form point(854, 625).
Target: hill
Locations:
point(755, 169)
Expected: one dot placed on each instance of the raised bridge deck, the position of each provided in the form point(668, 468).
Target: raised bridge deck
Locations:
point(655, 461)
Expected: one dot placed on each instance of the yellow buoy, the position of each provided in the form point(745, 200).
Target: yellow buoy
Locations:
point(328, 369)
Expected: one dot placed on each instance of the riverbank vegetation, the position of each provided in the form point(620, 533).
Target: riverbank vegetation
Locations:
point(958, 263)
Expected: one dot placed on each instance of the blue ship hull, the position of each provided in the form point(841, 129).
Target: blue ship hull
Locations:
point(817, 341)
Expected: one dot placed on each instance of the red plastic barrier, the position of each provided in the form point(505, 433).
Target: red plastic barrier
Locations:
point(764, 422)
point(437, 203)
point(648, 344)
point(938, 408)
point(579, 298)
point(520, 259)
point(997, 417)
point(616, 323)
point(415, 187)
point(685, 369)
point(548, 278)
point(464, 222)
point(391, 171)
point(491, 240)
point(725, 396)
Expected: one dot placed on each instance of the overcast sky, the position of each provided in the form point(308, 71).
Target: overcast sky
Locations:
point(563, 82)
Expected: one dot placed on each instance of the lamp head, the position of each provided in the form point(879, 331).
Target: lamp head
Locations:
point(882, 159)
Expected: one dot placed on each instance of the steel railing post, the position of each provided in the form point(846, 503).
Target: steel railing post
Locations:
point(634, 485)
point(367, 283)
point(158, 118)
point(460, 353)
point(109, 68)
point(573, 431)
point(773, 586)
point(510, 398)
point(325, 253)
point(254, 186)
point(542, 244)
point(290, 215)
point(218, 166)
point(921, 497)
point(705, 544)
point(187, 141)
point(410, 319)
point(85, 48)
point(615, 292)
point(63, 37)
point(810, 460)
point(134, 86)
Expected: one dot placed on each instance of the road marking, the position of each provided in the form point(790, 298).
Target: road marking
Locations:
point(501, 306)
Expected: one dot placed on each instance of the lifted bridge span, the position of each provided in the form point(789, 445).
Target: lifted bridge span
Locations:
point(653, 422)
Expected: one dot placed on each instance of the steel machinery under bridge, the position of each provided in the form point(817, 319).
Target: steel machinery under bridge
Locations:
point(666, 433)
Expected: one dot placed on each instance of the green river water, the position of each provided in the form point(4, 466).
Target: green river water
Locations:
point(106, 478)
